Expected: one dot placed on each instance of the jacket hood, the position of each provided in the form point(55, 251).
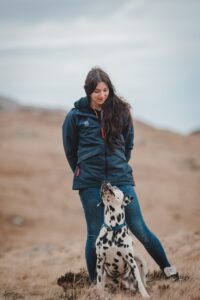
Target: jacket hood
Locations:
point(82, 103)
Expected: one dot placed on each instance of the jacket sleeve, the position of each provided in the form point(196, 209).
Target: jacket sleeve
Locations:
point(128, 134)
point(70, 139)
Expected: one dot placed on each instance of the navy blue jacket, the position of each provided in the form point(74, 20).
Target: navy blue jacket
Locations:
point(86, 150)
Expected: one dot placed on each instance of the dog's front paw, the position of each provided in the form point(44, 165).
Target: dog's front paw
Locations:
point(146, 295)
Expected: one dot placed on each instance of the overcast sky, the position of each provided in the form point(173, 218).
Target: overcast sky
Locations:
point(150, 49)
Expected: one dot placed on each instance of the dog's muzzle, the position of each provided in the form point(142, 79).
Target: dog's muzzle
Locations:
point(106, 187)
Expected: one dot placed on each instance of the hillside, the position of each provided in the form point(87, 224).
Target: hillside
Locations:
point(41, 218)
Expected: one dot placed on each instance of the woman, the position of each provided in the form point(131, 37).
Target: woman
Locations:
point(98, 138)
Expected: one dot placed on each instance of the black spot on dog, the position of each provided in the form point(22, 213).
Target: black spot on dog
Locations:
point(122, 215)
point(110, 243)
point(108, 264)
point(104, 236)
point(130, 254)
point(126, 256)
point(123, 234)
point(125, 264)
point(115, 280)
point(111, 208)
point(131, 260)
point(99, 278)
point(115, 266)
point(119, 245)
point(105, 247)
point(133, 273)
point(120, 240)
point(141, 265)
point(112, 218)
point(98, 266)
point(119, 253)
point(116, 260)
point(105, 240)
point(119, 217)
point(99, 258)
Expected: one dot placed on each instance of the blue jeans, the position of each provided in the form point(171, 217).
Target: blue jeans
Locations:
point(94, 216)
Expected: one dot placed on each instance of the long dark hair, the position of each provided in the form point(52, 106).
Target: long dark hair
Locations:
point(116, 110)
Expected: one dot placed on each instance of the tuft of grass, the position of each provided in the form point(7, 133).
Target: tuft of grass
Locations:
point(72, 283)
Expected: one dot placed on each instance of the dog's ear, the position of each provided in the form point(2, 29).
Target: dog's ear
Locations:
point(127, 199)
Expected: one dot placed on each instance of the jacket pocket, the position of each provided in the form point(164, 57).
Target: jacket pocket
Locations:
point(89, 154)
point(84, 157)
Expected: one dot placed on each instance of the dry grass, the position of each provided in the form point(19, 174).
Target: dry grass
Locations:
point(76, 286)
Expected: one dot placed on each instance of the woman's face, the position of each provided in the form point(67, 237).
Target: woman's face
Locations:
point(100, 94)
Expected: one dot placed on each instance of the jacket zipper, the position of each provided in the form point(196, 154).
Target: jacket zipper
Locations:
point(103, 138)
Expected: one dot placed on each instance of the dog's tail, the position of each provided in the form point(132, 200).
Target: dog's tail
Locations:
point(142, 266)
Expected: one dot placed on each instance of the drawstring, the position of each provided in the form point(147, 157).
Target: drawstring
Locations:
point(102, 133)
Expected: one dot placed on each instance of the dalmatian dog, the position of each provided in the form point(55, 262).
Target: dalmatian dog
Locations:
point(114, 245)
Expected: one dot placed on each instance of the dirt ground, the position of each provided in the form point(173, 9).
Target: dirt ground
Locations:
point(41, 219)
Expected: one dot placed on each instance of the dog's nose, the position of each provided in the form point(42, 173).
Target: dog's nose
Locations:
point(104, 184)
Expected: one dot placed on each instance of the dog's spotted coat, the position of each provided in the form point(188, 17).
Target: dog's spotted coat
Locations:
point(114, 245)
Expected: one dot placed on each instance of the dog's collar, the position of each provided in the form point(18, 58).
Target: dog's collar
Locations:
point(114, 228)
